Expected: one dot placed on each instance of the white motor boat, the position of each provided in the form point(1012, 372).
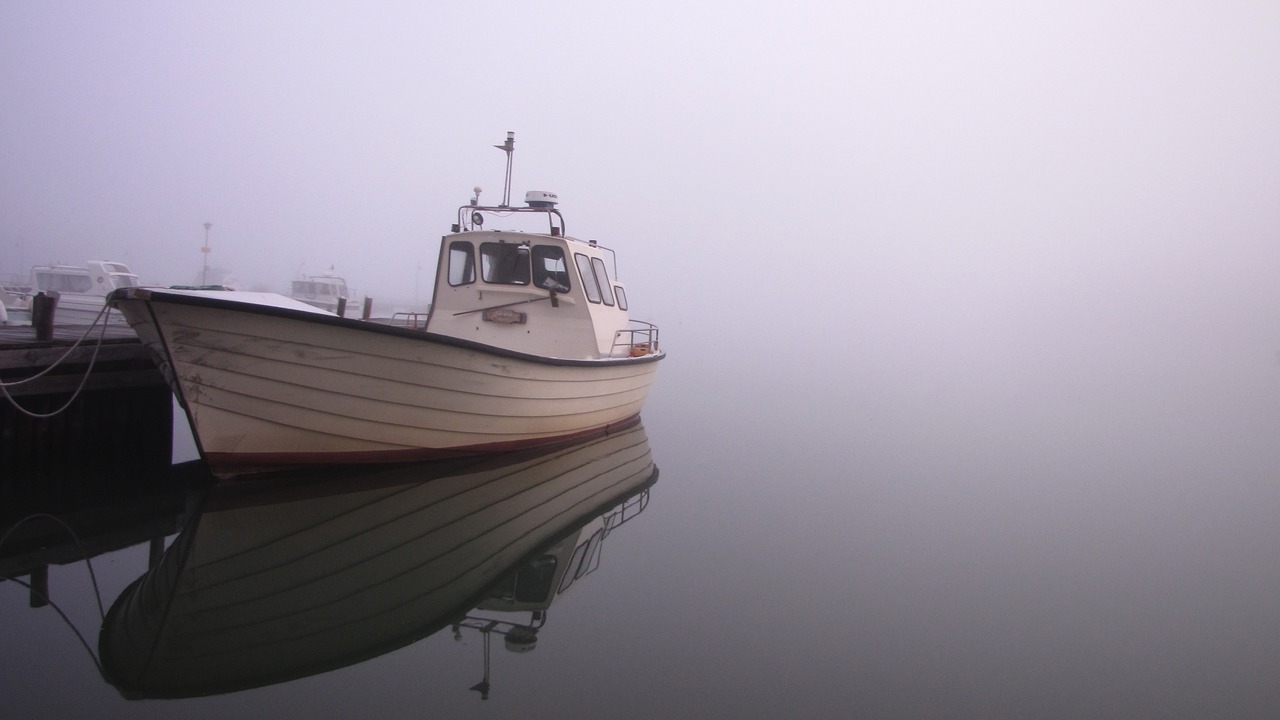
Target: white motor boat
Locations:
point(322, 291)
point(528, 342)
point(81, 290)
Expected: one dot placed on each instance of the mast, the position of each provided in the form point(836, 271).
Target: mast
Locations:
point(508, 147)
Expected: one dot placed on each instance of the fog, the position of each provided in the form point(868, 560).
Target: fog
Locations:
point(928, 169)
point(911, 208)
point(1058, 205)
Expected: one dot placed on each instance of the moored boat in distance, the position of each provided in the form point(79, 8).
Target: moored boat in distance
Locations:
point(528, 342)
point(322, 291)
point(15, 301)
point(81, 290)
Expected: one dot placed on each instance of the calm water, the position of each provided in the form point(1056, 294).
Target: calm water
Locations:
point(827, 538)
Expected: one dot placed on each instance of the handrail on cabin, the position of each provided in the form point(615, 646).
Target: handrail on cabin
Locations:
point(637, 341)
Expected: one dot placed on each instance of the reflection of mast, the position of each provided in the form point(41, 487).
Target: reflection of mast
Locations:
point(519, 638)
point(540, 579)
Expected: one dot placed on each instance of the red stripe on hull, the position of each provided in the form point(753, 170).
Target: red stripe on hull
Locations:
point(230, 465)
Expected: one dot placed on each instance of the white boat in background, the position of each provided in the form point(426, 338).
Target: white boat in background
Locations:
point(322, 291)
point(81, 290)
point(15, 299)
point(528, 342)
point(15, 302)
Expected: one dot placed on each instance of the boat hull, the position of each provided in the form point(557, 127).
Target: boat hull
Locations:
point(268, 387)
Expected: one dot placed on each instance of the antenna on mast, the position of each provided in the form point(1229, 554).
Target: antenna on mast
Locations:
point(508, 147)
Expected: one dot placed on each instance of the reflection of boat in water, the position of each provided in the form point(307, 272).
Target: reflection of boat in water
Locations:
point(539, 580)
point(313, 573)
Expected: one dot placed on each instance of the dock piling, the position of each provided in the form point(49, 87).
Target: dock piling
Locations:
point(39, 595)
point(43, 308)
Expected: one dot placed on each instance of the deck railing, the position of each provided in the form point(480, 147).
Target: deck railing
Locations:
point(411, 320)
point(636, 341)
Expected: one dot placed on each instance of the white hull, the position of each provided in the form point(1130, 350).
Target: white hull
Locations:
point(71, 310)
point(82, 310)
point(268, 387)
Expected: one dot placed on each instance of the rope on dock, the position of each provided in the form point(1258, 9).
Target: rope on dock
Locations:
point(102, 317)
point(92, 577)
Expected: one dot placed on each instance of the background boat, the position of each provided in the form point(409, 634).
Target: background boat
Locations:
point(81, 291)
point(325, 291)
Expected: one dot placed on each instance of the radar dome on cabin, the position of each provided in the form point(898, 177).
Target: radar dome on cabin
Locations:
point(541, 199)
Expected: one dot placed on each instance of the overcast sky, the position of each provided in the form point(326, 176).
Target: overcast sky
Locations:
point(929, 172)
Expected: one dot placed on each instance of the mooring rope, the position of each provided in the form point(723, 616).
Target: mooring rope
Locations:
point(97, 593)
point(103, 316)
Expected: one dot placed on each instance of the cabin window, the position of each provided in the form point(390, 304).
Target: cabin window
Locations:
point(549, 269)
point(462, 263)
point(504, 263)
point(622, 296)
point(602, 276)
point(311, 288)
point(535, 580)
point(586, 558)
point(124, 281)
point(532, 583)
point(589, 284)
point(57, 282)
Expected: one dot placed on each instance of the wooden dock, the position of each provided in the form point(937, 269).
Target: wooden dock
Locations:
point(124, 360)
point(122, 418)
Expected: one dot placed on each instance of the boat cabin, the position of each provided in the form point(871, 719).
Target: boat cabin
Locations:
point(96, 278)
point(542, 293)
point(322, 291)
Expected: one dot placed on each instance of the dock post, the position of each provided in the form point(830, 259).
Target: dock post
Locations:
point(155, 551)
point(42, 309)
point(39, 587)
point(368, 308)
point(342, 307)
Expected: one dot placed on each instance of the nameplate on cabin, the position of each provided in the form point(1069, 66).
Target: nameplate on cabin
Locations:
point(504, 316)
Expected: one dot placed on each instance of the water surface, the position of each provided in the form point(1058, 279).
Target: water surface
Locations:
point(849, 536)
